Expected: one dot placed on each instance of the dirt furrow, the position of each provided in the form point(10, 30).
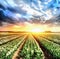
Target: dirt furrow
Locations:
point(38, 45)
point(46, 52)
point(16, 54)
point(50, 40)
point(11, 40)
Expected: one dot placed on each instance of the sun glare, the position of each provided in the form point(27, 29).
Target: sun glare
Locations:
point(33, 28)
point(36, 30)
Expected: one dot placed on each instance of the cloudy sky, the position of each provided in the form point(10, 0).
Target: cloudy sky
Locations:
point(33, 11)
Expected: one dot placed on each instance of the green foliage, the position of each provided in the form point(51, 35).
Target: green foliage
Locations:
point(7, 50)
point(52, 47)
point(31, 50)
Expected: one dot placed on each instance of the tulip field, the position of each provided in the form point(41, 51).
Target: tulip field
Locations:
point(30, 46)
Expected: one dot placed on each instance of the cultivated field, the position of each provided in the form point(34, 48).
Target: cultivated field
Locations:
point(30, 46)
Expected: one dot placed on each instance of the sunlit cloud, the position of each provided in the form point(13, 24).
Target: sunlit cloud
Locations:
point(21, 11)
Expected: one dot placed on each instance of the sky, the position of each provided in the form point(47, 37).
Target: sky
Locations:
point(43, 12)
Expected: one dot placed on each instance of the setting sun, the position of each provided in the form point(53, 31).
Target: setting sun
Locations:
point(36, 30)
point(33, 28)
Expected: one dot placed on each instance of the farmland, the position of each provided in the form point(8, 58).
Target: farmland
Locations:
point(30, 46)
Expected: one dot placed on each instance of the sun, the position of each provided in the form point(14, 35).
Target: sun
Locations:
point(31, 28)
point(36, 30)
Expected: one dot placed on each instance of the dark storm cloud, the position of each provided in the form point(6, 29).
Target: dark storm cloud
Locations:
point(5, 16)
point(17, 10)
point(55, 19)
point(36, 11)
